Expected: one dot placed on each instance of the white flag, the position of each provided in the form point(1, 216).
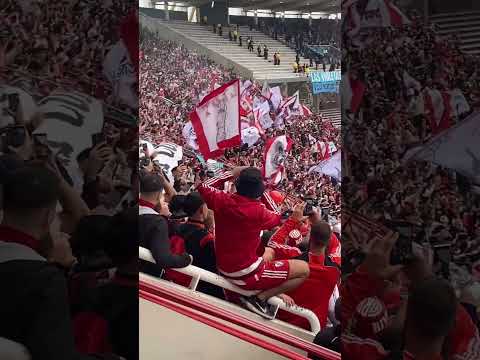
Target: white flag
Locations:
point(331, 167)
point(168, 157)
point(216, 120)
point(459, 103)
point(276, 97)
point(250, 136)
point(119, 70)
point(70, 120)
point(276, 151)
point(189, 135)
point(457, 148)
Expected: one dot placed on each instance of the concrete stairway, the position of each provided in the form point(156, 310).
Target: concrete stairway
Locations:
point(465, 25)
point(334, 115)
point(261, 69)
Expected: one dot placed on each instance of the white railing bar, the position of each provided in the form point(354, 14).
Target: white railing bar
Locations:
point(198, 274)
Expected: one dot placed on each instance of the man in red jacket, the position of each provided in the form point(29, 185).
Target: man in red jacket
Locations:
point(316, 291)
point(239, 219)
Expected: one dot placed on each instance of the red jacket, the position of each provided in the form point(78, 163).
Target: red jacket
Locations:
point(286, 250)
point(277, 241)
point(335, 249)
point(315, 292)
point(238, 223)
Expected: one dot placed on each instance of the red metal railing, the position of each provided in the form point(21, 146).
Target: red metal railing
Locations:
point(239, 320)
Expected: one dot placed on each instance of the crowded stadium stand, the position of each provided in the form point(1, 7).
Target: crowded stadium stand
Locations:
point(464, 25)
point(400, 188)
point(285, 150)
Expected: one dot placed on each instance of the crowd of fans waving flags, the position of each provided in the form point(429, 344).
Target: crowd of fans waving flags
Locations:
point(239, 113)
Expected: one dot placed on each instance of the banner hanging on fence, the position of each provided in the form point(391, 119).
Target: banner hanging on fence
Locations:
point(325, 82)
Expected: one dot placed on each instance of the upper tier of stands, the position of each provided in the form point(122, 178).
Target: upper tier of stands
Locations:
point(465, 25)
point(260, 68)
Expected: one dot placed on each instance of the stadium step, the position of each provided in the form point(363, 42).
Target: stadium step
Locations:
point(464, 25)
point(261, 69)
point(334, 115)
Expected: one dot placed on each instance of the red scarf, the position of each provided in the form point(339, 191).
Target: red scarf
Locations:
point(9, 234)
point(146, 203)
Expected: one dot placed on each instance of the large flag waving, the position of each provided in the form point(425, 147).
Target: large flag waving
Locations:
point(216, 120)
point(331, 167)
point(457, 148)
point(391, 15)
point(352, 91)
point(276, 97)
point(118, 69)
point(276, 150)
point(439, 109)
point(70, 120)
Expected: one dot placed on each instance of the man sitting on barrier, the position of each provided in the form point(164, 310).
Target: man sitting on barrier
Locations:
point(239, 219)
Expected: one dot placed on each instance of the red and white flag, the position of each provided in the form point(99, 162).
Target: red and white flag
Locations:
point(276, 97)
point(266, 92)
point(391, 15)
point(305, 111)
point(216, 120)
point(351, 22)
point(290, 103)
point(438, 109)
point(276, 151)
point(129, 34)
point(323, 150)
point(352, 92)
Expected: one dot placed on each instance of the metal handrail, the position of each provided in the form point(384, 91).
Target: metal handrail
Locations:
point(198, 274)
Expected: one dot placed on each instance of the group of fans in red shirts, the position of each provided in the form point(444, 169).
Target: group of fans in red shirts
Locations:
point(250, 242)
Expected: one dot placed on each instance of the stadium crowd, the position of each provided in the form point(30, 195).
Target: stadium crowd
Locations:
point(68, 216)
point(169, 95)
point(404, 277)
point(196, 214)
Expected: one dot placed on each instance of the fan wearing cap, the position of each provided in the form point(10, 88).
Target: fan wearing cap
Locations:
point(153, 228)
point(239, 220)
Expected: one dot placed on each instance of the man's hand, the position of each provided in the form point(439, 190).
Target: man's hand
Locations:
point(61, 252)
point(269, 254)
point(287, 300)
point(377, 261)
point(298, 211)
point(101, 153)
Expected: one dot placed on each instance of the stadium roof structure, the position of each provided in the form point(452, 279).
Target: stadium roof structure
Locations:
point(308, 6)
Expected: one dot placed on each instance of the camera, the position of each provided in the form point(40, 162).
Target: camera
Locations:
point(97, 138)
point(144, 162)
point(310, 203)
point(13, 136)
point(402, 252)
